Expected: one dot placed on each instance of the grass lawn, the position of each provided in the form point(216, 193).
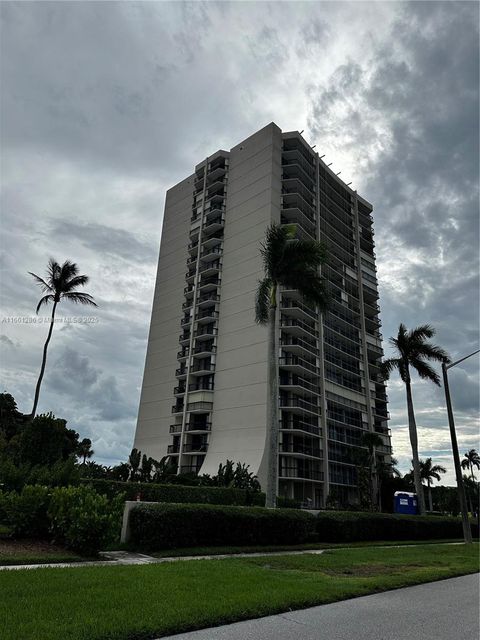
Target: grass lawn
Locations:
point(218, 551)
point(33, 552)
point(140, 602)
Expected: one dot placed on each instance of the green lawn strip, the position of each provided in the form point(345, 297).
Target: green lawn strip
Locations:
point(140, 602)
point(216, 551)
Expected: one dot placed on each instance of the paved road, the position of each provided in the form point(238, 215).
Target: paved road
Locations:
point(445, 610)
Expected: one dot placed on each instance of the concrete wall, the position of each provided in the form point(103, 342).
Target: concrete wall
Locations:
point(253, 202)
point(152, 435)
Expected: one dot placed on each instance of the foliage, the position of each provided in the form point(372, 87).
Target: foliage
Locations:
point(337, 526)
point(60, 284)
point(413, 352)
point(470, 460)
point(164, 526)
point(26, 512)
point(84, 449)
point(84, 520)
point(290, 262)
point(150, 491)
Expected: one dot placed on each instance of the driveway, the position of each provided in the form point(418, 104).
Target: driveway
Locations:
point(444, 610)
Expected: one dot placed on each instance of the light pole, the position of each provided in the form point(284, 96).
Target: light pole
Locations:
point(467, 532)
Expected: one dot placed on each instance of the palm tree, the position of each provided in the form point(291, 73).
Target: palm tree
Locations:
point(84, 449)
point(60, 284)
point(412, 352)
point(430, 472)
point(372, 440)
point(294, 264)
point(471, 459)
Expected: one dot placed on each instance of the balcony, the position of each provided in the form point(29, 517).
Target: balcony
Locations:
point(202, 369)
point(299, 385)
point(206, 316)
point(297, 448)
point(298, 365)
point(301, 474)
point(199, 407)
point(185, 321)
point(213, 225)
point(175, 428)
point(207, 332)
point(201, 426)
point(210, 268)
point(208, 299)
point(211, 253)
point(195, 448)
point(203, 350)
point(188, 291)
point(297, 309)
point(201, 386)
point(177, 408)
point(173, 449)
point(297, 327)
point(209, 284)
point(184, 338)
point(290, 424)
point(294, 403)
point(183, 354)
point(298, 346)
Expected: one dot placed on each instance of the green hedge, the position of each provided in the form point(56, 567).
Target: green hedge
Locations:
point(336, 526)
point(78, 517)
point(151, 492)
point(167, 526)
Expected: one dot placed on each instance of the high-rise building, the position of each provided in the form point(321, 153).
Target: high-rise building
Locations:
point(204, 393)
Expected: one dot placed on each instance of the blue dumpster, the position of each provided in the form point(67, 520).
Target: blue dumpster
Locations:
point(405, 502)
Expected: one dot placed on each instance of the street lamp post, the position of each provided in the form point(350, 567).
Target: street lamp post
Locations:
point(467, 532)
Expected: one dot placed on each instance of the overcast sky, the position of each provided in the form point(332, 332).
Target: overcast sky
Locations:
point(106, 105)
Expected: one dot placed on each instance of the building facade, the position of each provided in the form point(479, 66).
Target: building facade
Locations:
point(204, 393)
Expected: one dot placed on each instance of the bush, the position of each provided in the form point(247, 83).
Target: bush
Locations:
point(84, 520)
point(353, 527)
point(167, 526)
point(151, 492)
point(26, 512)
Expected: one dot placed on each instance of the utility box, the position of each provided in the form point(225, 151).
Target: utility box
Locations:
point(405, 502)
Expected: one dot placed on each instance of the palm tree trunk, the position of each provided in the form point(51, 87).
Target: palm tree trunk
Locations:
point(430, 502)
point(44, 362)
point(272, 407)
point(412, 427)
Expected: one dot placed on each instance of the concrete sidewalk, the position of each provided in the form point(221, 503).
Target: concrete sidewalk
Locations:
point(125, 558)
point(444, 610)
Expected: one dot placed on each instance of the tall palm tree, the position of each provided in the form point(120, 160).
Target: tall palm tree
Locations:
point(429, 472)
point(60, 284)
point(413, 351)
point(372, 440)
point(294, 264)
point(471, 459)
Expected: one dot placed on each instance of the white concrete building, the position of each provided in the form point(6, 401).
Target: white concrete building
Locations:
point(205, 383)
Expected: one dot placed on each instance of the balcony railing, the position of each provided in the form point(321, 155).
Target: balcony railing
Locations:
point(301, 474)
point(195, 448)
point(286, 447)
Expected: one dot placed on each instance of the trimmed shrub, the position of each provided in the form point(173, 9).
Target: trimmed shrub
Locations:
point(151, 492)
point(26, 512)
point(84, 520)
point(336, 526)
point(167, 526)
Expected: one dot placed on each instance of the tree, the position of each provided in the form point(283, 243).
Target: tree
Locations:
point(134, 460)
point(294, 264)
point(372, 440)
point(85, 450)
point(471, 459)
point(60, 284)
point(413, 351)
point(429, 472)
